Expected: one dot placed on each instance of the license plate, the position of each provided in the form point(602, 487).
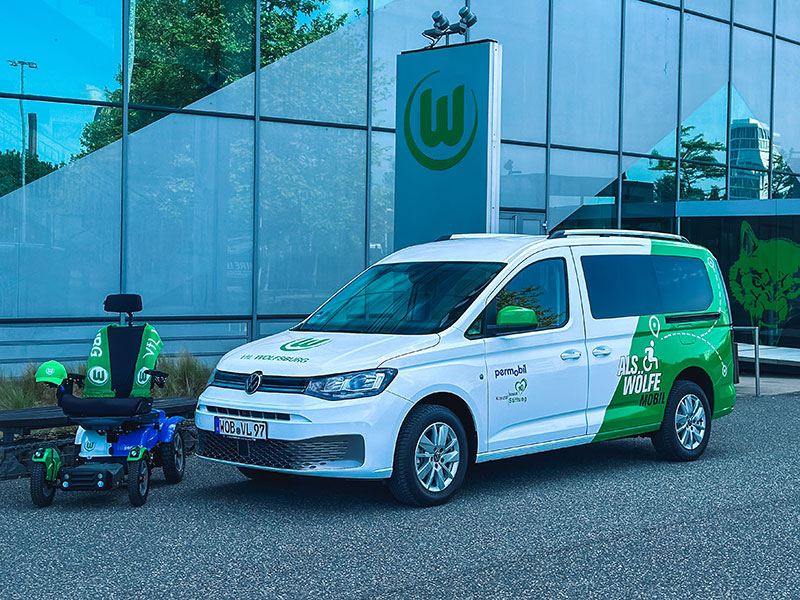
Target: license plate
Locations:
point(241, 428)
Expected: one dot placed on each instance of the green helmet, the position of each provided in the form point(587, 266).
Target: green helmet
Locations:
point(51, 372)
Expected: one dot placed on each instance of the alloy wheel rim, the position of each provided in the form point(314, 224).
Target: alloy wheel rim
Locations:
point(144, 478)
point(690, 422)
point(437, 457)
point(177, 444)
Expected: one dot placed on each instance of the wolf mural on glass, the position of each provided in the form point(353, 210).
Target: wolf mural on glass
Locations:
point(765, 280)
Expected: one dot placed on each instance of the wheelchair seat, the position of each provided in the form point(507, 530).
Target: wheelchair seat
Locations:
point(74, 406)
point(118, 377)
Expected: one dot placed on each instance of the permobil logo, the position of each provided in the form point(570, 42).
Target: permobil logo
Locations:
point(511, 371)
point(441, 145)
point(304, 344)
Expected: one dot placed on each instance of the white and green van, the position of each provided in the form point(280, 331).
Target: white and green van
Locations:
point(481, 347)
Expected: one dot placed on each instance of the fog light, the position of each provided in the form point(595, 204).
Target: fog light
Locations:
point(99, 475)
point(65, 485)
point(66, 475)
point(99, 484)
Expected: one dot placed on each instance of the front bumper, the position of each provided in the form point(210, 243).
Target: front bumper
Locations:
point(305, 435)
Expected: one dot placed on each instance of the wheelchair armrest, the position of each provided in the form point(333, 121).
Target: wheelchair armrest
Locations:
point(159, 377)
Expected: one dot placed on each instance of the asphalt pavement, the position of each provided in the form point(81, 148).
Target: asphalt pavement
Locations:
point(608, 520)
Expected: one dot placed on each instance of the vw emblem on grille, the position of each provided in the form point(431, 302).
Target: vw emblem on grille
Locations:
point(253, 383)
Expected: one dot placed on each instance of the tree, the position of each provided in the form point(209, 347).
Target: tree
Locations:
point(184, 50)
point(693, 148)
point(11, 170)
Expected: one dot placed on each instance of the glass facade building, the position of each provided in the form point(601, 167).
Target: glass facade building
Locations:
point(232, 160)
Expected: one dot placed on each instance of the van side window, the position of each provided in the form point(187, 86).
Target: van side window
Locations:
point(535, 299)
point(632, 285)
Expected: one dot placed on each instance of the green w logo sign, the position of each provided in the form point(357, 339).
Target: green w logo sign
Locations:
point(304, 344)
point(448, 129)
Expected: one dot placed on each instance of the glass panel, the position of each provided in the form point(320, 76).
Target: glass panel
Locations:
point(411, 298)
point(524, 62)
point(664, 284)
point(396, 27)
point(715, 8)
point(189, 215)
point(705, 89)
point(182, 52)
point(701, 181)
point(381, 207)
point(648, 194)
point(759, 257)
point(522, 177)
point(787, 19)
point(60, 232)
point(785, 185)
point(583, 190)
point(70, 48)
point(312, 214)
point(585, 94)
point(786, 145)
point(542, 288)
point(750, 100)
point(650, 110)
point(314, 60)
point(749, 184)
point(754, 13)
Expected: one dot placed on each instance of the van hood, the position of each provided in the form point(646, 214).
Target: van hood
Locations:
point(311, 354)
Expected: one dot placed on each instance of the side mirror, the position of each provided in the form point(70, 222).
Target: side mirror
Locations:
point(511, 319)
point(516, 316)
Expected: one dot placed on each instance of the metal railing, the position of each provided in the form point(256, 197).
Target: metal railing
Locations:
point(755, 331)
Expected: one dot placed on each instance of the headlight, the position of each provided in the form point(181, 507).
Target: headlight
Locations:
point(351, 385)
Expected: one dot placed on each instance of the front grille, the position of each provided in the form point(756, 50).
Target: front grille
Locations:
point(251, 414)
point(297, 455)
point(269, 383)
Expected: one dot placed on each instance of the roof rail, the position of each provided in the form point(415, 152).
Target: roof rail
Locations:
point(618, 233)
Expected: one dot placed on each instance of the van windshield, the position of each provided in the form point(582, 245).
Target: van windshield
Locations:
point(404, 298)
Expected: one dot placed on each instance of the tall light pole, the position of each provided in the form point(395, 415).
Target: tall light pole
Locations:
point(32, 65)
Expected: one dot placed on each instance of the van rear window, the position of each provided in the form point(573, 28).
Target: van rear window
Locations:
point(631, 285)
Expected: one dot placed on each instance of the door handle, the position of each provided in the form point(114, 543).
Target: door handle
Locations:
point(601, 351)
point(570, 355)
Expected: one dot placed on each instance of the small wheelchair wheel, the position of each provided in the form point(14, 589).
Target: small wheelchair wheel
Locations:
point(139, 480)
point(173, 458)
point(42, 492)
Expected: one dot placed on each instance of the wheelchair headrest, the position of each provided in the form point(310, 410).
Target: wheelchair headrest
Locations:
point(123, 303)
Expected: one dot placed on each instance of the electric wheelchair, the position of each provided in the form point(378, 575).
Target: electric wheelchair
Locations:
point(121, 437)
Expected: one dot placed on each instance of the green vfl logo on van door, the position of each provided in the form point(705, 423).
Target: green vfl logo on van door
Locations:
point(449, 129)
point(304, 344)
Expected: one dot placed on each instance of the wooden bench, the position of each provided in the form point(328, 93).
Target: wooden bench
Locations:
point(25, 420)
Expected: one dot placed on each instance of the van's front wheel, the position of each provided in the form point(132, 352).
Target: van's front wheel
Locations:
point(686, 427)
point(430, 460)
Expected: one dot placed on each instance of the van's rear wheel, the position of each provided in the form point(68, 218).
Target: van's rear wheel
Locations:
point(431, 456)
point(686, 427)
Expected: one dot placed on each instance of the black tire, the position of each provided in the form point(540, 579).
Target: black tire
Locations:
point(42, 492)
point(262, 474)
point(404, 484)
point(139, 480)
point(173, 458)
point(666, 440)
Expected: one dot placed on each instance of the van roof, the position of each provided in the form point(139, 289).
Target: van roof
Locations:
point(499, 247)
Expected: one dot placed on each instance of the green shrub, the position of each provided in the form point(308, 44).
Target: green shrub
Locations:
point(187, 378)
